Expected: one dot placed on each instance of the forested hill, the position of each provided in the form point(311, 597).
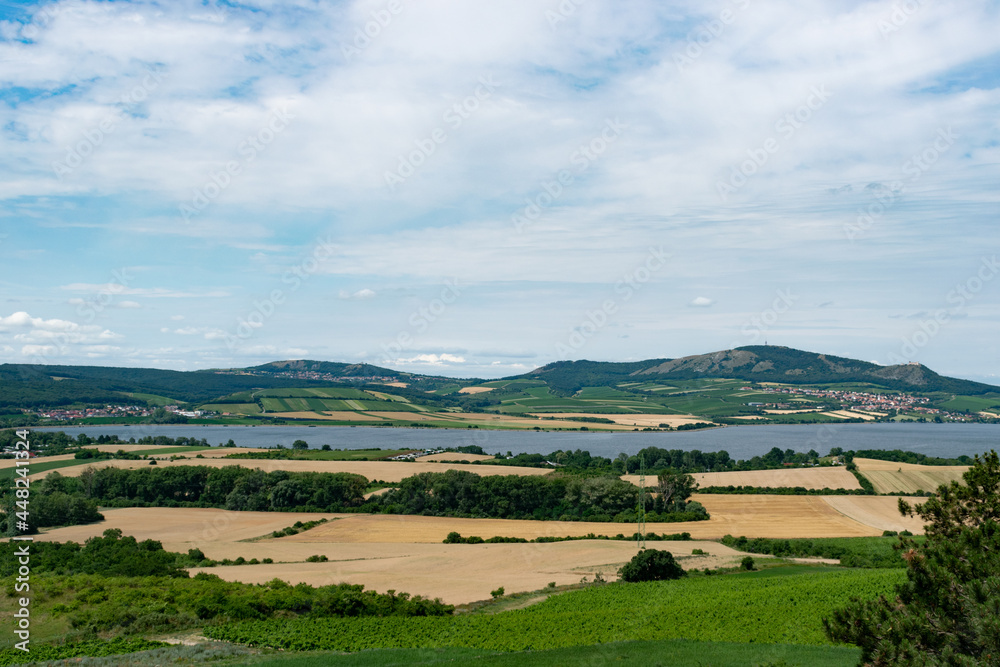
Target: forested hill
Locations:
point(39, 386)
point(756, 363)
point(35, 386)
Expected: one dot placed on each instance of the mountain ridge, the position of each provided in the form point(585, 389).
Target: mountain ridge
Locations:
point(759, 363)
point(36, 385)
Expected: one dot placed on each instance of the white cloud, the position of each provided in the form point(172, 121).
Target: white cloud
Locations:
point(52, 335)
point(129, 304)
point(433, 359)
point(360, 294)
point(156, 292)
point(701, 302)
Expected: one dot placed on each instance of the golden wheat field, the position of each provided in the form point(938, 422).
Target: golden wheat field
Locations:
point(461, 573)
point(455, 572)
point(387, 471)
point(890, 477)
point(880, 512)
point(810, 478)
point(454, 456)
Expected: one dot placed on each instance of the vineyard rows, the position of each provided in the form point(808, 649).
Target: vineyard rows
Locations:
point(755, 607)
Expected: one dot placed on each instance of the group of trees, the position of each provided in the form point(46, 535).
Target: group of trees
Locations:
point(656, 459)
point(231, 487)
point(606, 498)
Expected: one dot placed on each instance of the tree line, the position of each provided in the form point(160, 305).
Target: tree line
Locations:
point(542, 497)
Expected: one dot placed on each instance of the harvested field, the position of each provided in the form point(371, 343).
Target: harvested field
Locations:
point(489, 419)
point(809, 478)
point(402, 385)
point(216, 452)
point(176, 527)
point(475, 390)
point(387, 471)
point(891, 477)
point(455, 456)
point(12, 463)
point(880, 512)
point(640, 420)
point(782, 517)
point(457, 573)
point(848, 414)
point(460, 573)
point(342, 415)
point(406, 553)
point(220, 452)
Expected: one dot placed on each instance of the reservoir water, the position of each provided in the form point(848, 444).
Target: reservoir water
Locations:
point(741, 442)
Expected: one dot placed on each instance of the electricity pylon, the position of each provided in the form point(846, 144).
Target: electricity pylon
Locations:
point(641, 510)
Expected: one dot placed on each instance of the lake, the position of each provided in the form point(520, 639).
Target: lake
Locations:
point(741, 442)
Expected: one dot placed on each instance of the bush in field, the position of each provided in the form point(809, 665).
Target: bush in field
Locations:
point(747, 563)
point(651, 565)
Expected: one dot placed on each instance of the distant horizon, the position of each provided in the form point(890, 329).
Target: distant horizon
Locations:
point(500, 377)
point(479, 189)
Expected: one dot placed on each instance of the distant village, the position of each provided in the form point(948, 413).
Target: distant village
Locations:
point(860, 401)
point(114, 411)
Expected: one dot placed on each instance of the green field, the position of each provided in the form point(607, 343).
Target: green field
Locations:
point(237, 408)
point(987, 402)
point(775, 606)
point(154, 399)
point(677, 653)
point(7, 474)
point(709, 398)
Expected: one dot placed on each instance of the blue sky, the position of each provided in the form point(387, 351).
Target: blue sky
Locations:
point(480, 188)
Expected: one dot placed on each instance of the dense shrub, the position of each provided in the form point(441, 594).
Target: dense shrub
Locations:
point(651, 565)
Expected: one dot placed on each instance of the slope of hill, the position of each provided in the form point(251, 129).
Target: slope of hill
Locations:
point(620, 385)
point(757, 363)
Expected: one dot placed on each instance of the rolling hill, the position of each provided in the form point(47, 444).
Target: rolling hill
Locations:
point(757, 363)
point(565, 386)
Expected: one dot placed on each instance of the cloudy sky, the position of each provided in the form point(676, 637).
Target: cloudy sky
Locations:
point(478, 188)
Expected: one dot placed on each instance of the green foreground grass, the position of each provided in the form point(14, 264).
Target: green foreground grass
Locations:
point(775, 606)
point(676, 653)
